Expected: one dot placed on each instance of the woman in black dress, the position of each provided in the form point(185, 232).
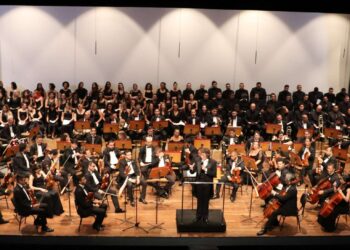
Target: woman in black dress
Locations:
point(68, 118)
point(148, 92)
point(52, 119)
point(329, 223)
point(23, 118)
point(37, 182)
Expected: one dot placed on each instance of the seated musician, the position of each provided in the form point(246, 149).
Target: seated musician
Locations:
point(257, 153)
point(136, 115)
point(307, 155)
point(129, 177)
point(321, 169)
point(215, 120)
point(93, 138)
point(230, 139)
point(164, 161)
point(234, 163)
point(193, 119)
point(282, 138)
point(38, 148)
point(44, 193)
point(25, 205)
point(234, 120)
point(50, 163)
point(288, 204)
point(93, 184)
point(304, 123)
point(111, 157)
point(177, 137)
point(255, 138)
point(86, 206)
point(328, 223)
point(10, 131)
point(147, 157)
point(21, 161)
point(151, 133)
point(162, 133)
point(334, 179)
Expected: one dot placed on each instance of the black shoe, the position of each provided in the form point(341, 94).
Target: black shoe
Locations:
point(119, 210)
point(97, 228)
point(143, 201)
point(2, 221)
point(232, 198)
point(262, 232)
point(47, 229)
point(132, 203)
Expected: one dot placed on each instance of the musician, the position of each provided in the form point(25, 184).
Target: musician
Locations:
point(71, 157)
point(93, 184)
point(129, 170)
point(234, 163)
point(176, 137)
point(323, 162)
point(52, 118)
point(164, 161)
point(150, 133)
point(21, 162)
point(205, 169)
point(307, 155)
point(68, 117)
point(87, 207)
point(234, 119)
point(288, 204)
point(147, 157)
point(298, 95)
point(37, 150)
point(93, 138)
point(334, 178)
point(242, 97)
point(193, 119)
point(255, 138)
point(335, 115)
point(111, 157)
point(252, 119)
point(11, 130)
point(230, 139)
point(51, 163)
point(281, 138)
point(329, 223)
point(257, 154)
point(25, 207)
point(304, 123)
point(157, 117)
point(37, 182)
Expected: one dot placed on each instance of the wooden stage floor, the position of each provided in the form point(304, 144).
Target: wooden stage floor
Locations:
point(235, 213)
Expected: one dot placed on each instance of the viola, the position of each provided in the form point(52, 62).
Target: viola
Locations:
point(264, 190)
point(323, 184)
point(50, 182)
point(236, 176)
point(187, 158)
point(329, 204)
point(105, 181)
point(32, 196)
point(306, 159)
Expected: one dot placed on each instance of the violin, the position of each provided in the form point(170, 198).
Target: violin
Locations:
point(32, 196)
point(264, 190)
point(90, 197)
point(168, 165)
point(236, 176)
point(329, 204)
point(323, 184)
point(105, 181)
point(187, 158)
point(306, 159)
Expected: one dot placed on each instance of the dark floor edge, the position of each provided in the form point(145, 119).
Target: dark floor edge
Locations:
point(165, 241)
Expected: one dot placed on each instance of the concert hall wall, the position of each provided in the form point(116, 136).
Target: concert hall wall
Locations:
point(54, 44)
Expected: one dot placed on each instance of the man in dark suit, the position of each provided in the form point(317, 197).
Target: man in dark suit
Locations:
point(93, 184)
point(24, 206)
point(147, 157)
point(288, 204)
point(129, 177)
point(37, 150)
point(51, 160)
point(205, 168)
point(87, 207)
point(111, 157)
point(71, 158)
point(21, 162)
point(11, 130)
point(92, 138)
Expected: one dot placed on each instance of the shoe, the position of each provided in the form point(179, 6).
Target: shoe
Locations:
point(97, 228)
point(143, 201)
point(232, 198)
point(262, 232)
point(119, 210)
point(47, 229)
point(102, 226)
point(2, 221)
point(132, 203)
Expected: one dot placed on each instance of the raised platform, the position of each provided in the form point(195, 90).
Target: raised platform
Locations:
point(185, 222)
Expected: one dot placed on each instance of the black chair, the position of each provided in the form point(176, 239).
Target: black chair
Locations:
point(283, 217)
point(81, 217)
point(4, 197)
point(20, 217)
point(346, 214)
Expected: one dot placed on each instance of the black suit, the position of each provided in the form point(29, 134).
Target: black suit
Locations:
point(24, 207)
point(288, 206)
point(94, 187)
point(46, 164)
point(203, 192)
point(107, 158)
point(122, 176)
point(34, 150)
point(6, 132)
point(93, 140)
point(86, 208)
point(20, 165)
point(142, 158)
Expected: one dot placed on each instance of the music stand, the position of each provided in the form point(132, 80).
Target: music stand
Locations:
point(137, 125)
point(279, 146)
point(341, 154)
point(160, 125)
point(123, 144)
point(174, 155)
point(202, 143)
point(190, 129)
point(297, 146)
point(175, 146)
point(332, 133)
point(211, 131)
point(237, 130)
point(81, 126)
point(265, 146)
point(249, 165)
point(240, 148)
point(62, 145)
point(155, 143)
point(295, 160)
point(301, 132)
point(110, 128)
point(273, 129)
point(94, 148)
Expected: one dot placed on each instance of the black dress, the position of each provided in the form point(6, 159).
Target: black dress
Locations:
point(51, 198)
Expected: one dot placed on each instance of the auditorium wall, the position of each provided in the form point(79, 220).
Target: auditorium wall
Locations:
point(54, 44)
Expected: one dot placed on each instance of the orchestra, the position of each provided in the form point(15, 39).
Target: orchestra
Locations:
point(308, 151)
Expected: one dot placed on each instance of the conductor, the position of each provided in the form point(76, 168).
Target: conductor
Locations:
point(205, 169)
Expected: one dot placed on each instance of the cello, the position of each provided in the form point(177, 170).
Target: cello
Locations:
point(264, 190)
point(323, 184)
point(329, 204)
